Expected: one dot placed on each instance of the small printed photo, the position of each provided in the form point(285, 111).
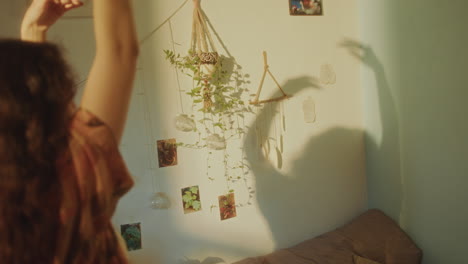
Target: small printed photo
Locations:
point(131, 233)
point(167, 152)
point(305, 7)
point(227, 206)
point(191, 199)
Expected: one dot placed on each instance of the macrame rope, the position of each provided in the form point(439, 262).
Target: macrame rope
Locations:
point(201, 36)
point(206, 30)
point(201, 31)
point(216, 34)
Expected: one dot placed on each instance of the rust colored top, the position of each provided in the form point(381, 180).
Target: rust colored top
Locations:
point(94, 177)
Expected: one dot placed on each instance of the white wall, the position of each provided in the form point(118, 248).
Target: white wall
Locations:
point(417, 147)
point(380, 77)
point(10, 19)
point(322, 184)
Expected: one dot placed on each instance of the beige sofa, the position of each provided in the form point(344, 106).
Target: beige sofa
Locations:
point(372, 238)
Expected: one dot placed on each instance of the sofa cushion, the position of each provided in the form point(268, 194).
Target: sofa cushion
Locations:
point(371, 237)
point(401, 250)
point(331, 247)
point(376, 236)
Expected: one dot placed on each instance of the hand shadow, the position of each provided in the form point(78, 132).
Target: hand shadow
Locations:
point(362, 52)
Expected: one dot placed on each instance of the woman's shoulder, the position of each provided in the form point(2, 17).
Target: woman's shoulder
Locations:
point(90, 126)
point(93, 147)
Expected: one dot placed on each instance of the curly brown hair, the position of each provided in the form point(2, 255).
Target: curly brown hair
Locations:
point(36, 89)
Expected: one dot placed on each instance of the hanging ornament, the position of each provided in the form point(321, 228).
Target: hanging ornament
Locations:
point(308, 106)
point(160, 200)
point(184, 123)
point(215, 142)
point(327, 74)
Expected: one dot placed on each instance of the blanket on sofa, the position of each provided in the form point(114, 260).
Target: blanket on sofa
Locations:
point(372, 238)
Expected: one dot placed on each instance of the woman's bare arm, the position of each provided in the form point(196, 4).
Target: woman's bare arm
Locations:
point(108, 90)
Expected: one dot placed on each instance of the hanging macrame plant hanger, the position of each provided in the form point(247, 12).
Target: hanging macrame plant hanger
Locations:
point(256, 101)
point(202, 42)
point(202, 45)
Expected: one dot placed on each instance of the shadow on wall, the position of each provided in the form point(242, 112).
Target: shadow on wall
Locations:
point(384, 176)
point(326, 186)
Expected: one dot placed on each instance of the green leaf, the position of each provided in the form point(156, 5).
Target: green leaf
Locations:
point(196, 205)
point(187, 197)
point(194, 189)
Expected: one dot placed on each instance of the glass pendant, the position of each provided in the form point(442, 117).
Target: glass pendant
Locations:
point(160, 200)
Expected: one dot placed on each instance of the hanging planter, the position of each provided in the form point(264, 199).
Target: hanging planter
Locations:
point(203, 46)
point(217, 95)
point(205, 66)
point(327, 74)
point(160, 200)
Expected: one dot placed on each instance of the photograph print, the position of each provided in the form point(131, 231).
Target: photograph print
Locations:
point(305, 7)
point(227, 206)
point(191, 199)
point(167, 153)
point(131, 233)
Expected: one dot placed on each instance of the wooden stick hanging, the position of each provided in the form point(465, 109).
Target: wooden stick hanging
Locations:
point(267, 70)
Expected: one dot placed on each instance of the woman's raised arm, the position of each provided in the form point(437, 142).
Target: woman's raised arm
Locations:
point(110, 82)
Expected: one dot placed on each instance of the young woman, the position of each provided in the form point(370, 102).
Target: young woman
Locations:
point(61, 174)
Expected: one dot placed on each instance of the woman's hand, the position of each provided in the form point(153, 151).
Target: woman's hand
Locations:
point(42, 14)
